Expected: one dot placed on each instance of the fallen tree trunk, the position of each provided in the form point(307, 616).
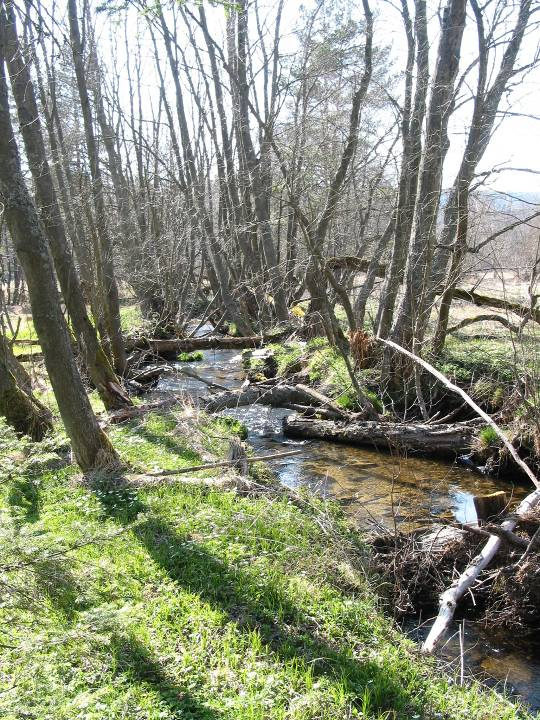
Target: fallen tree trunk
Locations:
point(225, 463)
point(128, 413)
point(352, 262)
point(30, 356)
point(498, 303)
point(429, 440)
point(484, 318)
point(450, 597)
point(467, 398)
point(152, 373)
point(323, 401)
point(212, 342)
point(285, 396)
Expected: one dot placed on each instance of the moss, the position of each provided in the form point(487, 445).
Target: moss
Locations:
point(488, 437)
point(259, 366)
point(348, 401)
point(376, 401)
point(232, 426)
point(196, 356)
point(328, 367)
point(289, 357)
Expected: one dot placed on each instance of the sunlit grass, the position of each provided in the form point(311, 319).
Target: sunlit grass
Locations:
point(182, 601)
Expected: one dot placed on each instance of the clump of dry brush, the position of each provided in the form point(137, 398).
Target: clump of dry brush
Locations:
point(417, 567)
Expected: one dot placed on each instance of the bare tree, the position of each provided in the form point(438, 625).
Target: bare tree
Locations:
point(110, 289)
point(96, 361)
point(91, 446)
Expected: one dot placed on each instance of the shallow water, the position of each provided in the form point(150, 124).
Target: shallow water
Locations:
point(379, 489)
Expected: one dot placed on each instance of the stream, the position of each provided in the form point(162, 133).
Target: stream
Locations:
point(376, 488)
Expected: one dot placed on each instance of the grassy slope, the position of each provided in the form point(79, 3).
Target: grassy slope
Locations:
point(183, 601)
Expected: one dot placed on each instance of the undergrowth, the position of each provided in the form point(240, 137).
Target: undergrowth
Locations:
point(180, 600)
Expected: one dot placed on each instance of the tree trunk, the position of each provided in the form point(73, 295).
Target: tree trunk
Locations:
point(414, 310)
point(430, 440)
point(91, 446)
point(486, 104)
point(17, 404)
point(99, 368)
point(161, 347)
point(412, 124)
point(110, 289)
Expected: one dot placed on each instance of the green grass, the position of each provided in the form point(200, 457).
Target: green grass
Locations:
point(183, 601)
point(288, 356)
point(468, 360)
point(487, 437)
point(131, 318)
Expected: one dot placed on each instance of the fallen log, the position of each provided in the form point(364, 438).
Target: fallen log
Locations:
point(352, 262)
point(30, 356)
point(324, 401)
point(128, 413)
point(449, 599)
point(285, 396)
point(225, 463)
point(486, 530)
point(150, 374)
point(468, 399)
point(192, 374)
point(498, 303)
point(484, 318)
point(25, 341)
point(310, 411)
point(429, 440)
point(212, 342)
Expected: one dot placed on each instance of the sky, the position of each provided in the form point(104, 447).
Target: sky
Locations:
point(516, 143)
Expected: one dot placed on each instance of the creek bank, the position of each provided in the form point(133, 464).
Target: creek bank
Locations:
point(247, 600)
point(420, 488)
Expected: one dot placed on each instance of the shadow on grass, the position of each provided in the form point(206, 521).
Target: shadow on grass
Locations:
point(24, 499)
point(139, 665)
point(57, 582)
point(168, 444)
point(283, 627)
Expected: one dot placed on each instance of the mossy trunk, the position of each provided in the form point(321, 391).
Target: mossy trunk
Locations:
point(20, 408)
